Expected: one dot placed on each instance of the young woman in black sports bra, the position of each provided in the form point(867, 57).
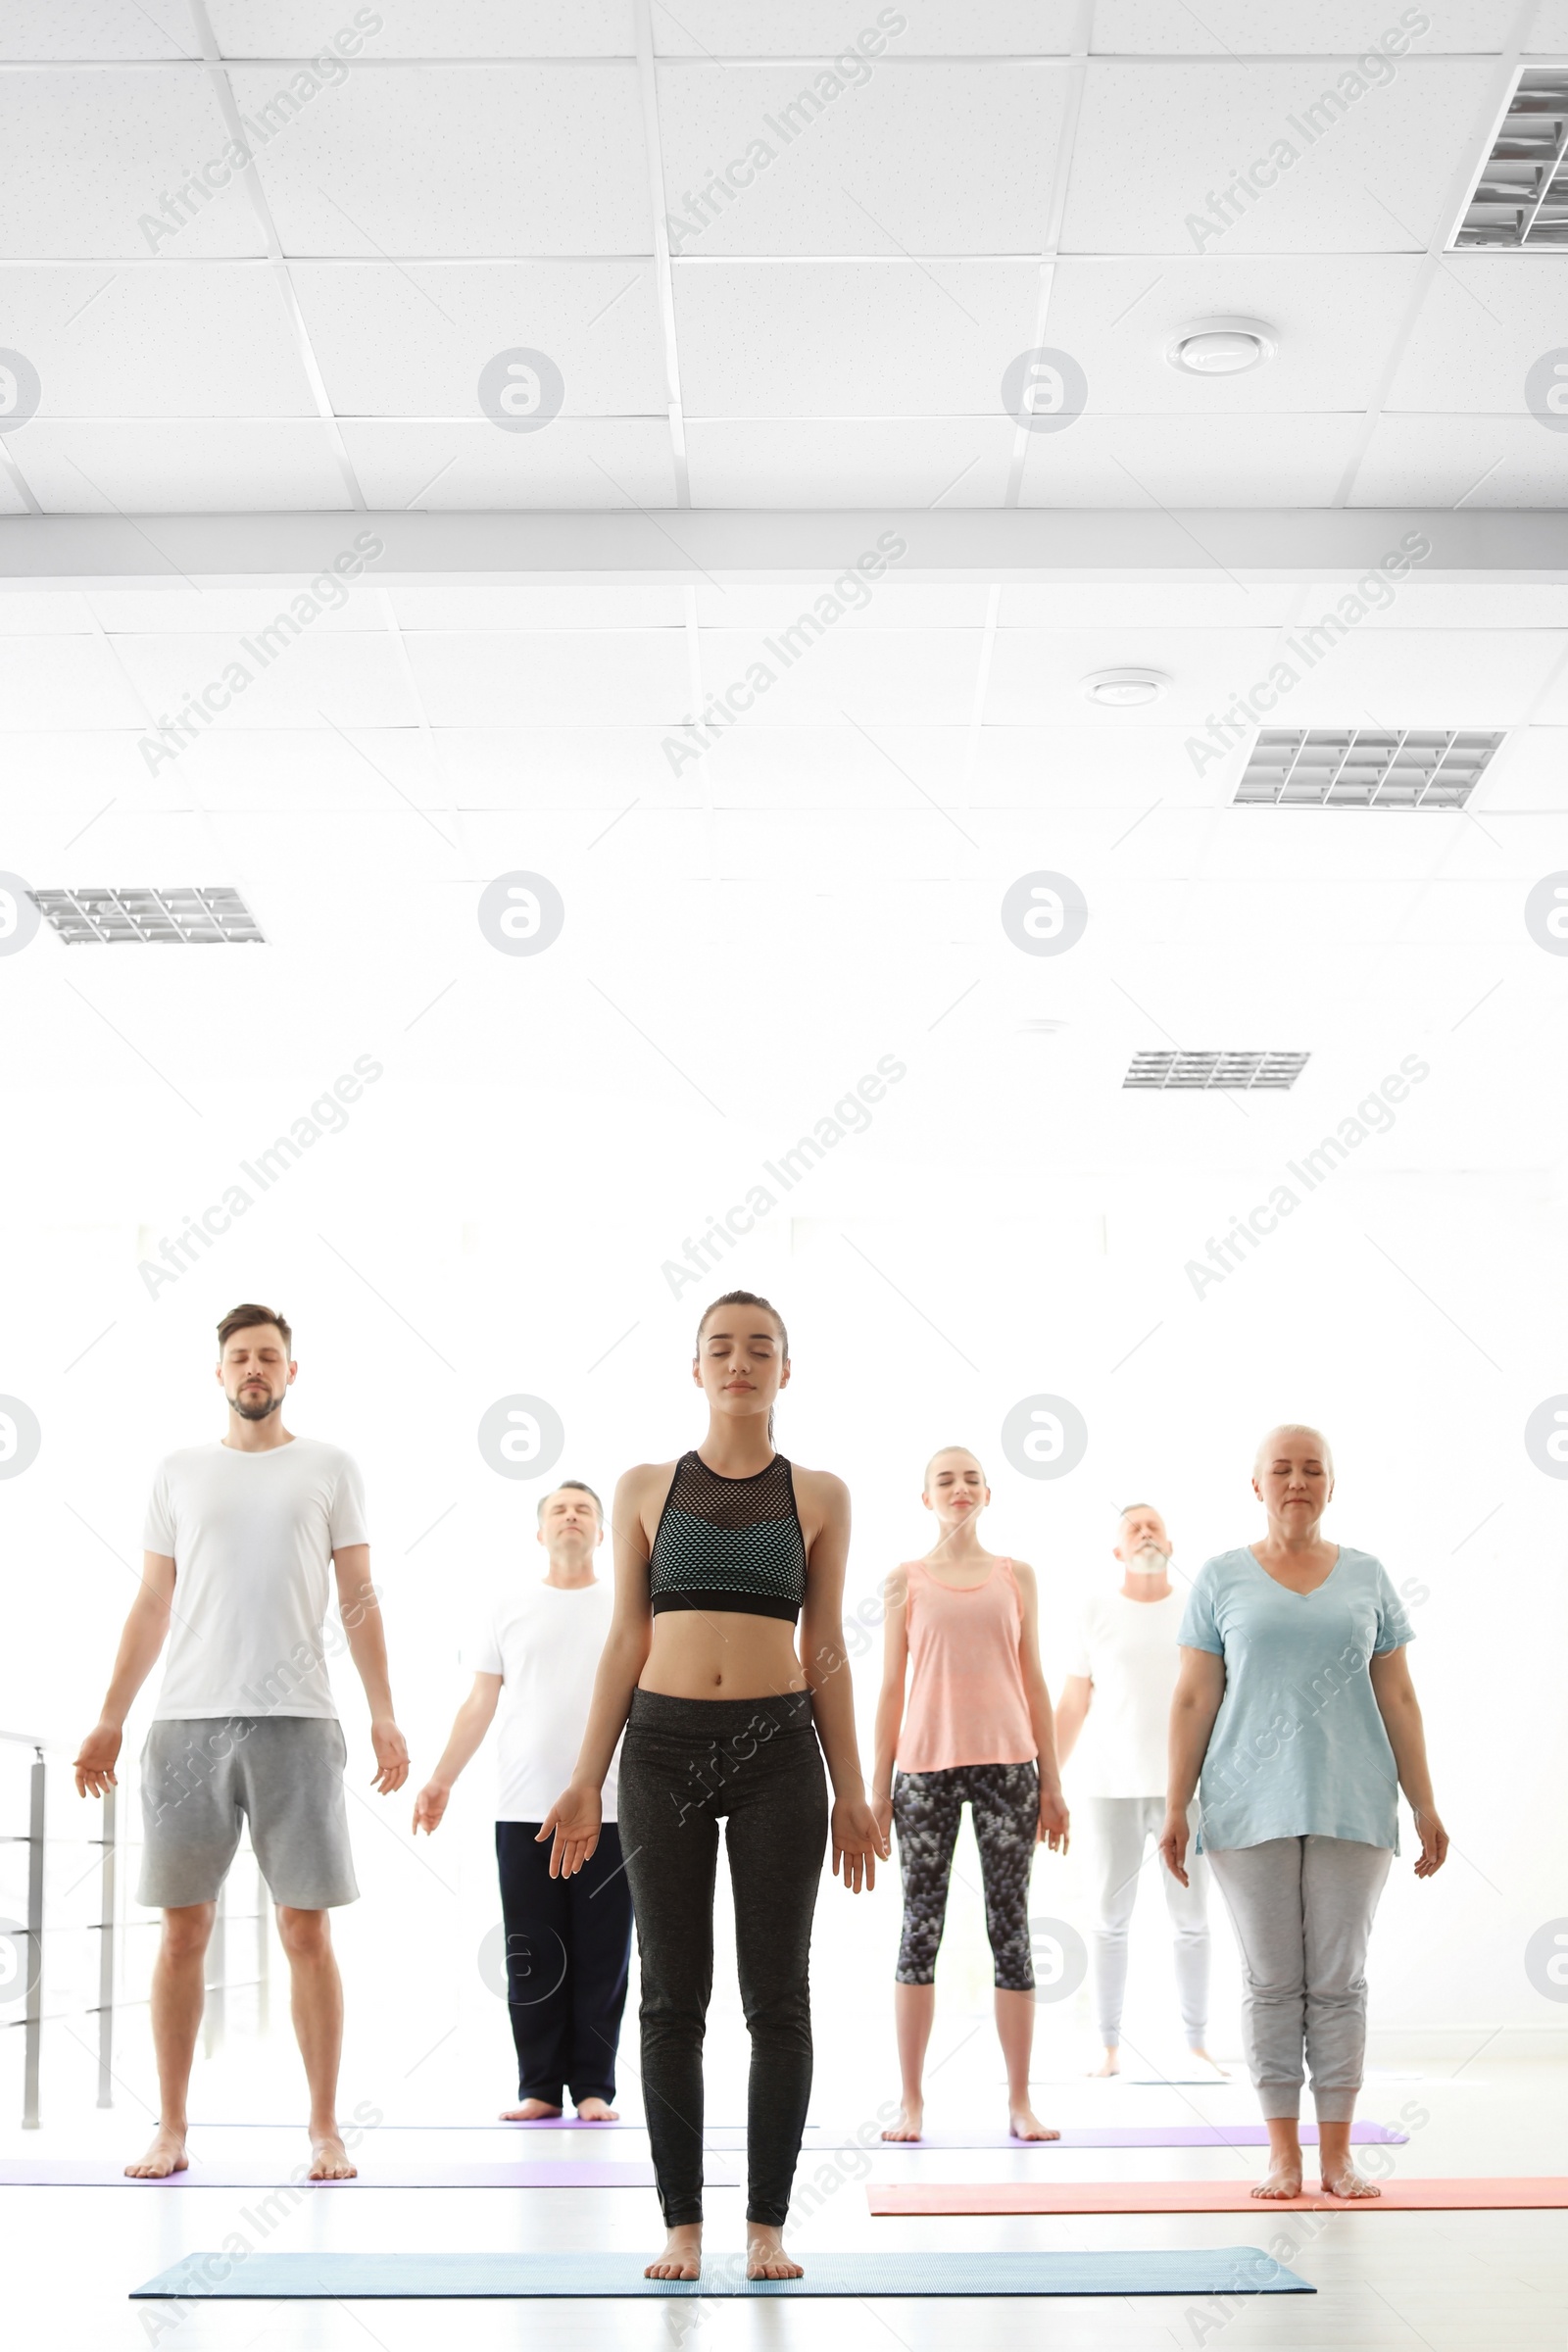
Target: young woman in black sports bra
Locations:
point(715, 1555)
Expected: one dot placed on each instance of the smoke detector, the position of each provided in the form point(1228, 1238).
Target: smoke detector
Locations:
point(1221, 345)
point(1125, 689)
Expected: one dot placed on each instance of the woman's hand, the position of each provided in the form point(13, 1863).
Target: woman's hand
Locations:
point(882, 1814)
point(1173, 1847)
point(1051, 1829)
point(1433, 1844)
point(572, 1825)
point(858, 1840)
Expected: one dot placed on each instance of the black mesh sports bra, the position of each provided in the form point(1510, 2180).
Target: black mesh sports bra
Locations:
point(729, 1542)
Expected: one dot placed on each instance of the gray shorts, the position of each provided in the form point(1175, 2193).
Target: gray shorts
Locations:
point(282, 1774)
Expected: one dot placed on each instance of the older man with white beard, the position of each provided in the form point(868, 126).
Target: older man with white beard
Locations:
point(1121, 1687)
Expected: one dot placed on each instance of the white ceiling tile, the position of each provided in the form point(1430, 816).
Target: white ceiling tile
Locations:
point(48, 682)
point(1477, 461)
point(1211, 461)
point(1529, 771)
point(1417, 602)
point(834, 766)
point(483, 608)
point(1155, 141)
point(817, 671)
point(905, 462)
point(851, 339)
point(768, 160)
point(11, 501)
point(1334, 321)
point(595, 768)
point(177, 611)
point(1428, 678)
point(822, 29)
point(462, 159)
point(207, 339)
point(311, 679)
point(555, 678)
point(411, 342)
point(1487, 317)
point(1547, 34)
point(1071, 765)
point(894, 603)
point(91, 157)
point(1037, 674)
point(420, 28)
point(191, 465)
point(371, 773)
point(574, 462)
point(1342, 28)
point(43, 612)
point(96, 28)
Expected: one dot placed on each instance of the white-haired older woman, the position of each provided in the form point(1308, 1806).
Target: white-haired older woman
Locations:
point(1295, 1706)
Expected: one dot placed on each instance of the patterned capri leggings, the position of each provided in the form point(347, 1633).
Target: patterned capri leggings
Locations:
point(1004, 1799)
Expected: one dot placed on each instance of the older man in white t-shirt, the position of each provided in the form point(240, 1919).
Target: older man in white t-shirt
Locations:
point(569, 1939)
point(242, 1543)
point(1121, 1691)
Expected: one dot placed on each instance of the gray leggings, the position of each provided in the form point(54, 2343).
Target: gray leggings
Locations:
point(683, 1763)
point(1303, 1911)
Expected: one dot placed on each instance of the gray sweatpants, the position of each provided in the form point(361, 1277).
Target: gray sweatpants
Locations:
point(1302, 1910)
point(1119, 1831)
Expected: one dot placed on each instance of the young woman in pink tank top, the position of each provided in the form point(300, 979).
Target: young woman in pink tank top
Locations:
point(962, 1631)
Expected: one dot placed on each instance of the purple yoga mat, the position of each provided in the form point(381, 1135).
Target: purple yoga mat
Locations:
point(78, 2172)
point(1082, 2136)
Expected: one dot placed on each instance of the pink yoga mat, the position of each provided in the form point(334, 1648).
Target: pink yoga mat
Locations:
point(1211, 2196)
point(76, 2172)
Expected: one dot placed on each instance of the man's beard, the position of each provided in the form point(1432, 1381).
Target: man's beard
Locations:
point(255, 1412)
point(1149, 1559)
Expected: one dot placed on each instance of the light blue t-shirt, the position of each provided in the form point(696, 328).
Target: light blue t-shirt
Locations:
point(1298, 1746)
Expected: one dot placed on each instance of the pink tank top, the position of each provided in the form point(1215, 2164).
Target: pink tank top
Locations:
point(966, 1702)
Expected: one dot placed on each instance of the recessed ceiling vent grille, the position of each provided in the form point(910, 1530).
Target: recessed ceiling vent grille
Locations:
point(175, 918)
point(1362, 767)
point(1521, 199)
point(1210, 1073)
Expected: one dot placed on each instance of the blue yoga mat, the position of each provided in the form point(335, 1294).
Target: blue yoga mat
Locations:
point(1225, 2271)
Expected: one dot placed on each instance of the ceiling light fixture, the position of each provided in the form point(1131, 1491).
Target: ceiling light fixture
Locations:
point(1221, 345)
point(188, 917)
point(1125, 689)
point(1213, 1073)
point(1365, 767)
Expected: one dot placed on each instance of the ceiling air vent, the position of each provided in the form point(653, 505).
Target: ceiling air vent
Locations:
point(188, 918)
point(1521, 199)
point(1210, 1073)
point(1364, 767)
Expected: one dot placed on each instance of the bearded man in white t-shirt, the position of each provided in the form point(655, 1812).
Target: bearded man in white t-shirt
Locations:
point(242, 1541)
point(567, 1939)
point(1120, 1690)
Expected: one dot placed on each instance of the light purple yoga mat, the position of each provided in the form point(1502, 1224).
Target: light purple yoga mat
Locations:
point(1082, 2136)
point(77, 2172)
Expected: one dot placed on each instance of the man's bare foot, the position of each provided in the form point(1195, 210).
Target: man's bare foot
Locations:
point(1279, 2181)
point(1203, 2058)
point(682, 2257)
point(532, 2111)
point(1110, 2063)
point(765, 2257)
point(1344, 2180)
point(909, 2123)
point(165, 2155)
point(595, 2111)
point(329, 2159)
point(1024, 2124)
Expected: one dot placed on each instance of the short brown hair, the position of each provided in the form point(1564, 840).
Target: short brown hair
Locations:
point(578, 1485)
point(248, 1318)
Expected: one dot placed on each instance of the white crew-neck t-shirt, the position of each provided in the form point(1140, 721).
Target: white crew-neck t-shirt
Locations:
point(1128, 1648)
point(544, 1640)
point(251, 1537)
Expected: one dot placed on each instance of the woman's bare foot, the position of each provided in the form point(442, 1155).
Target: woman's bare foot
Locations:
point(1024, 2124)
point(532, 2111)
point(909, 2123)
point(1203, 2058)
point(1344, 2180)
point(595, 2111)
point(165, 2155)
point(765, 2257)
point(1281, 2179)
point(1110, 2063)
point(329, 2159)
point(682, 2257)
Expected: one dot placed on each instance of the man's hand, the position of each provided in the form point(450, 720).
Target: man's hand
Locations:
point(391, 1756)
point(95, 1767)
point(429, 1807)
